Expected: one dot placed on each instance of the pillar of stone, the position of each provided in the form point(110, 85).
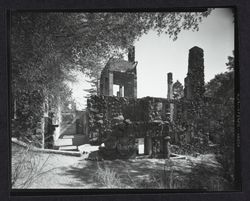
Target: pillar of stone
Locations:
point(131, 54)
point(102, 84)
point(194, 82)
point(42, 132)
point(120, 91)
point(170, 95)
point(135, 86)
point(170, 86)
point(148, 146)
point(167, 151)
point(131, 58)
point(110, 84)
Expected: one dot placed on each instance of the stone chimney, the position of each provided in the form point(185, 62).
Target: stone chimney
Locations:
point(131, 54)
point(170, 96)
point(194, 82)
point(170, 86)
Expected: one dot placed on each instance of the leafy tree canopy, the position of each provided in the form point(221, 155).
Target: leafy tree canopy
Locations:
point(222, 85)
point(49, 44)
point(178, 91)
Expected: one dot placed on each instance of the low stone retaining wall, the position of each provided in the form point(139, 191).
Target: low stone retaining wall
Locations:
point(49, 151)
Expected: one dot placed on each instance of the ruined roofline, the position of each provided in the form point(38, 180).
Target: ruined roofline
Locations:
point(196, 47)
point(120, 65)
point(204, 100)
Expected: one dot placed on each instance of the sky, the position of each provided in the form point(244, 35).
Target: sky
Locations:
point(158, 55)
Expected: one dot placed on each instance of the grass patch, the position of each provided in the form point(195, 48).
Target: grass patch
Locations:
point(27, 167)
point(199, 174)
point(108, 177)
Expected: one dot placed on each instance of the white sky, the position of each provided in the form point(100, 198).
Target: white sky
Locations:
point(158, 55)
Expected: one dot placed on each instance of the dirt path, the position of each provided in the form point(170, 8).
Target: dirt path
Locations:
point(60, 171)
point(50, 170)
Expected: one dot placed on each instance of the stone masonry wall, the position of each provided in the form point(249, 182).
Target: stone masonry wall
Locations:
point(193, 121)
point(114, 120)
point(145, 114)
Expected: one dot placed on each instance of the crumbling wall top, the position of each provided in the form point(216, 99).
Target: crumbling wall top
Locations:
point(120, 65)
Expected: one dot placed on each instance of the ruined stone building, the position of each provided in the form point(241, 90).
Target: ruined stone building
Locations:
point(126, 124)
point(119, 120)
point(122, 73)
